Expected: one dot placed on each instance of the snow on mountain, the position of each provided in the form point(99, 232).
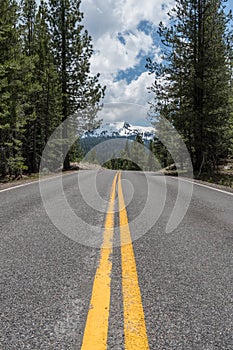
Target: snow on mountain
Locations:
point(121, 129)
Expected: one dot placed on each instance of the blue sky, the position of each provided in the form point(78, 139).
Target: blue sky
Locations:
point(124, 34)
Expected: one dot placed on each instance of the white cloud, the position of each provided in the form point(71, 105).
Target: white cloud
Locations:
point(135, 11)
point(105, 20)
point(112, 16)
point(135, 92)
point(122, 93)
point(113, 55)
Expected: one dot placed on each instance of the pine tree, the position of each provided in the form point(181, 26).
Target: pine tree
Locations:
point(42, 92)
point(151, 158)
point(72, 49)
point(124, 155)
point(49, 101)
point(11, 118)
point(76, 151)
point(92, 157)
point(31, 85)
point(192, 84)
point(42, 81)
point(161, 153)
point(137, 154)
point(230, 130)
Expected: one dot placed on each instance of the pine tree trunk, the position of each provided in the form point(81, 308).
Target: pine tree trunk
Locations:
point(66, 158)
point(199, 89)
point(34, 160)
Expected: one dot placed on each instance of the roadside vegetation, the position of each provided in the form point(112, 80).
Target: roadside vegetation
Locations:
point(44, 78)
point(193, 84)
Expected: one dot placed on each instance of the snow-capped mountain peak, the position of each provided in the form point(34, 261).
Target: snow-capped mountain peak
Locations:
point(121, 129)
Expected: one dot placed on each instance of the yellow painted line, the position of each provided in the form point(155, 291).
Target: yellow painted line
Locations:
point(134, 320)
point(96, 329)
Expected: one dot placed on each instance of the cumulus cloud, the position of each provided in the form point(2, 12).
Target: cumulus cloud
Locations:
point(135, 92)
point(112, 16)
point(114, 55)
point(120, 44)
point(128, 99)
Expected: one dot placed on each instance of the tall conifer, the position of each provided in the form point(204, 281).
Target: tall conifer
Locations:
point(11, 118)
point(72, 50)
point(192, 85)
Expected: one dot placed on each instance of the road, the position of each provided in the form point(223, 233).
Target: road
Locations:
point(128, 284)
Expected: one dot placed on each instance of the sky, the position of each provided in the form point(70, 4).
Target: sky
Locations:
point(124, 34)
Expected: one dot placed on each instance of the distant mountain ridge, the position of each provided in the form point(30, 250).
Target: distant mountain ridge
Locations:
point(120, 129)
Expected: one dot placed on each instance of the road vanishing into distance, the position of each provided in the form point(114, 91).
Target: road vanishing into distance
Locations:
point(100, 270)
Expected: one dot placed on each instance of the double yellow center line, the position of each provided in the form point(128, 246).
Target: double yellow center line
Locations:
point(96, 330)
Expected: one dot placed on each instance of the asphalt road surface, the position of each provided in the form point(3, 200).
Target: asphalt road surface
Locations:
point(95, 267)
